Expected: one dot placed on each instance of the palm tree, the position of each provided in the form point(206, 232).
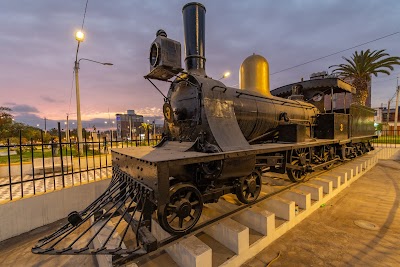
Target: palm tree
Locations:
point(360, 68)
point(147, 127)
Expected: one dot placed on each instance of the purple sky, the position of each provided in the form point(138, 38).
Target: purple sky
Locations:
point(37, 49)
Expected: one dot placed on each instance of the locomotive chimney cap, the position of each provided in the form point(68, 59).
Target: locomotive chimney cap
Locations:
point(161, 32)
point(194, 3)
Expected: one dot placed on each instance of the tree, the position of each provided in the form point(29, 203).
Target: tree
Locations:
point(5, 121)
point(147, 127)
point(362, 66)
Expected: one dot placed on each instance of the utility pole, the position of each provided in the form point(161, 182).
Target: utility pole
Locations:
point(154, 129)
point(396, 112)
point(45, 126)
point(67, 130)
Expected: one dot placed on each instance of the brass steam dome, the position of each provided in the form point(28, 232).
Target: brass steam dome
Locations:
point(254, 75)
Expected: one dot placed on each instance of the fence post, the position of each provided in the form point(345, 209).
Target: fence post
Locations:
point(61, 154)
point(20, 162)
point(9, 167)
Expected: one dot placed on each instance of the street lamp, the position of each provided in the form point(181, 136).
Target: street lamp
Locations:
point(80, 36)
point(396, 111)
point(226, 75)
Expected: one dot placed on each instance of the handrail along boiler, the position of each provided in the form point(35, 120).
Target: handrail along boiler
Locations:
point(217, 140)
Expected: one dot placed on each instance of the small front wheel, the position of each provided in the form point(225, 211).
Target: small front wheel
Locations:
point(183, 210)
point(249, 188)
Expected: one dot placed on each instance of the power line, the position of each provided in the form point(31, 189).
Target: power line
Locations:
point(72, 86)
point(341, 51)
point(84, 14)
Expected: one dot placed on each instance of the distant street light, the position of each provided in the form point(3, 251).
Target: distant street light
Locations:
point(226, 75)
point(80, 36)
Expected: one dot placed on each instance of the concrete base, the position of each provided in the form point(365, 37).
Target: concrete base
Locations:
point(315, 191)
point(23, 215)
point(301, 198)
point(316, 194)
point(326, 184)
point(283, 208)
point(189, 252)
point(230, 233)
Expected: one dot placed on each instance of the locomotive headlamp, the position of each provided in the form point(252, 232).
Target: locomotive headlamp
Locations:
point(164, 57)
point(154, 54)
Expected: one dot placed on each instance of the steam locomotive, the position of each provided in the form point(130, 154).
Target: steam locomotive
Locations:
point(219, 140)
point(203, 115)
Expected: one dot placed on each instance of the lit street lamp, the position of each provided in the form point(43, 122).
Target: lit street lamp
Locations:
point(226, 75)
point(80, 36)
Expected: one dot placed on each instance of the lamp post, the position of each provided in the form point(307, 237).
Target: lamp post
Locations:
point(80, 36)
point(396, 111)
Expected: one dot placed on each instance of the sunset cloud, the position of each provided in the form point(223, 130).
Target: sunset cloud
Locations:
point(37, 48)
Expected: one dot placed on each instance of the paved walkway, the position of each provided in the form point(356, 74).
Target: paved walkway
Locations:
point(50, 183)
point(330, 237)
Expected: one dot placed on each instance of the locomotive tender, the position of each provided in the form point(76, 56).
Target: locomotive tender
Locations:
point(218, 140)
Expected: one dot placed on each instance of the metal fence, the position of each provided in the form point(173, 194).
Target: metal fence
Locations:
point(387, 138)
point(38, 166)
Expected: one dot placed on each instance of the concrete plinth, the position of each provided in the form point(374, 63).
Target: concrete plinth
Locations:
point(283, 208)
point(334, 178)
point(326, 184)
point(257, 219)
point(254, 218)
point(316, 191)
point(189, 252)
point(230, 233)
point(301, 198)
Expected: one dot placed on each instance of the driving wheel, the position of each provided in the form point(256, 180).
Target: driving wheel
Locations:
point(298, 157)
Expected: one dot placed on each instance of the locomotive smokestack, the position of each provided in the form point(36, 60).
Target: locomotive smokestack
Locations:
point(194, 31)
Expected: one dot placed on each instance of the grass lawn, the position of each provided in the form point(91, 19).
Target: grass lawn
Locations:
point(27, 155)
point(388, 139)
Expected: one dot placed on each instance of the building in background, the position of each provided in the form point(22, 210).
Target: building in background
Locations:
point(381, 117)
point(128, 125)
point(342, 99)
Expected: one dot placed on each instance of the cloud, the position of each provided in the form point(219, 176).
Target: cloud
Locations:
point(150, 112)
point(49, 99)
point(24, 109)
point(40, 62)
